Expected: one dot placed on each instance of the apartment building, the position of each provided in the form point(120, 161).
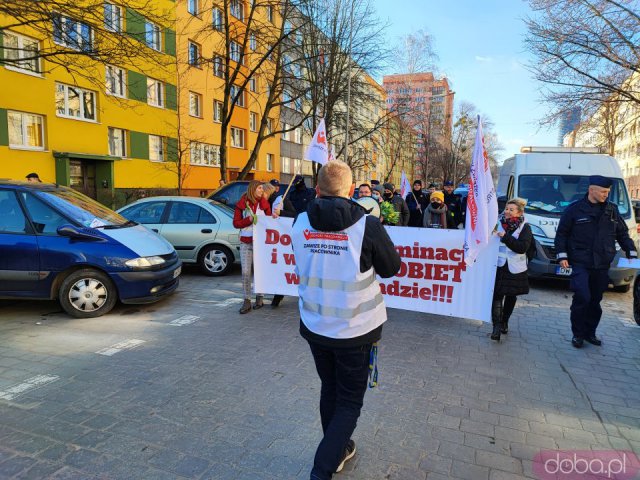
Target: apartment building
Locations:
point(105, 123)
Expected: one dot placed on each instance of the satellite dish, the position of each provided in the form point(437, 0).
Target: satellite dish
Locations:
point(371, 205)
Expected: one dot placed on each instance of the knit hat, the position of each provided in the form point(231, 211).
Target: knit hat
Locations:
point(379, 188)
point(389, 186)
point(437, 194)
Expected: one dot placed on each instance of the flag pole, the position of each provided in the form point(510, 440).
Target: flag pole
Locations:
point(346, 133)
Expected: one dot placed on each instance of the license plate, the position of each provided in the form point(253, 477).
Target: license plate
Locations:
point(177, 271)
point(565, 272)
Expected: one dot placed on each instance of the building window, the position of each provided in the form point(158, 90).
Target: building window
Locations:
point(204, 154)
point(217, 111)
point(298, 135)
point(286, 165)
point(236, 8)
point(237, 137)
point(195, 104)
point(253, 121)
point(269, 13)
point(235, 51)
point(253, 42)
point(116, 81)
point(21, 53)
point(26, 130)
point(74, 102)
point(156, 148)
point(152, 35)
point(297, 165)
point(71, 33)
point(253, 84)
point(112, 17)
point(285, 132)
point(218, 19)
point(117, 142)
point(194, 54)
point(155, 92)
point(235, 90)
point(269, 125)
point(269, 162)
point(193, 7)
point(218, 67)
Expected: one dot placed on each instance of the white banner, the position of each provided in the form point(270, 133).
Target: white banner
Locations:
point(434, 277)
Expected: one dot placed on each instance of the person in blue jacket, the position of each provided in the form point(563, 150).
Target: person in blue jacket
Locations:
point(586, 241)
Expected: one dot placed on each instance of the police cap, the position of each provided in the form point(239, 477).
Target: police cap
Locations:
point(600, 181)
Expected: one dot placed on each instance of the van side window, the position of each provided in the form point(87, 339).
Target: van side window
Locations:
point(45, 219)
point(12, 219)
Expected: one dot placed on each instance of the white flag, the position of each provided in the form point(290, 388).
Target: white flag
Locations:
point(318, 150)
point(482, 203)
point(405, 186)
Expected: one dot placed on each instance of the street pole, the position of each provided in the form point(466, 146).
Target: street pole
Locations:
point(346, 134)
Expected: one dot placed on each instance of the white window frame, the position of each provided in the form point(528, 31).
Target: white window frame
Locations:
point(253, 41)
point(19, 52)
point(195, 108)
point(82, 110)
point(241, 101)
point(156, 86)
point(156, 148)
point(236, 8)
point(286, 165)
point(155, 31)
point(235, 51)
point(269, 13)
point(65, 41)
point(118, 149)
point(285, 132)
point(237, 137)
point(269, 162)
point(112, 75)
point(24, 134)
point(204, 154)
point(253, 85)
point(113, 24)
point(218, 67)
point(193, 7)
point(297, 165)
point(217, 111)
point(253, 121)
point(217, 19)
point(194, 62)
point(298, 135)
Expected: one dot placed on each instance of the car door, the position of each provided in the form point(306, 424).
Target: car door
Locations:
point(19, 253)
point(187, 227)
point(147, 213)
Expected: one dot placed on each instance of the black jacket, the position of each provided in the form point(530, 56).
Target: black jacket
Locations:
point(288, 210)
point(587, 234)
point(454, 206)
point(400, 206)
point(300, 196)
point(334, 214)
point(508, 283)
point(415, 214)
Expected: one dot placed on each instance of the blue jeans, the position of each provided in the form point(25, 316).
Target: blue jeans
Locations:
point(588, 286)
point(344, 375)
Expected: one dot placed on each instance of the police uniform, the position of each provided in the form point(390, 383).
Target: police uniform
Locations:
point(586, 238)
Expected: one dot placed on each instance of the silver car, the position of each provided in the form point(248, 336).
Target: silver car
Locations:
point(201, 230)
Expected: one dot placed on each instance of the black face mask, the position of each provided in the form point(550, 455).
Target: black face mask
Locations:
point(388, 196)
point(436, 205)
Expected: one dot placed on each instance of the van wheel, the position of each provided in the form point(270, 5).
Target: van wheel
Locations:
point(622, 288)
point(215, 260)
point(87, 293)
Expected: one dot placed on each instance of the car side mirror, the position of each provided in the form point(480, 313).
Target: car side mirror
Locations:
point(502, 203)
point(76, 233)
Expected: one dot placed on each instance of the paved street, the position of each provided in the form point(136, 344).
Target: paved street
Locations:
point(188, 388)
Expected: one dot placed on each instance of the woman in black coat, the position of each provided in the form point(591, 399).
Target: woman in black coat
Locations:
point(511, 277)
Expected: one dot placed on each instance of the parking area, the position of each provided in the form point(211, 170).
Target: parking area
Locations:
point(188, 388)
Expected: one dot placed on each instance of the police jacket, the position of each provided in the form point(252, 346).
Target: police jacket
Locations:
point(587, 234)
point(454, 207)
point(338, 216)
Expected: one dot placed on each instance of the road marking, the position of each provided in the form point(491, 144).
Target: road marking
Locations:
point(29, 384)
point(186, 320)
point(118, 347)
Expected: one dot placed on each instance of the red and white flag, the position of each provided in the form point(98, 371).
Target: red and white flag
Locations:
point(318, 149)
point(405, 186)
point(482, 202)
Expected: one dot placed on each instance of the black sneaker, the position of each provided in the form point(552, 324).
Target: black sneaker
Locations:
point(593, 340)
point(577, 342)
point(349, 452)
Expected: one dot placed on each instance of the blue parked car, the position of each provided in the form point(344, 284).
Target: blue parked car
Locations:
point(58, 243)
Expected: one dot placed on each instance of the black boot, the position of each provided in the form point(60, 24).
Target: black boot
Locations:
point(495, 335)
point(504, 329)
point(496, 318)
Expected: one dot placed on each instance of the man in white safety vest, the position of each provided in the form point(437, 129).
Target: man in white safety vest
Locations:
point(339, 250)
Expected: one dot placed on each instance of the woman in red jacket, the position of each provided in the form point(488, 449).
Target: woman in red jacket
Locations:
point(245, 216)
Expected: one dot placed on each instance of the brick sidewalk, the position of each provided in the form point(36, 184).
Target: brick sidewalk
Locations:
point(235, 396)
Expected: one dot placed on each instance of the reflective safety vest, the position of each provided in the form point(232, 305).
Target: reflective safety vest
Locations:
point(517, 261)
point(336, 299)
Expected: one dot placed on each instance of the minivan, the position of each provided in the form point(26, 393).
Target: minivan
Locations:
point(550, 179)
point(56, 243)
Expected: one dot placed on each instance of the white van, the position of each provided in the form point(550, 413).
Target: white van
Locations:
point(550, 179)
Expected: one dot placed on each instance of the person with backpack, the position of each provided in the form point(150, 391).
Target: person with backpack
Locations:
point(511, 277)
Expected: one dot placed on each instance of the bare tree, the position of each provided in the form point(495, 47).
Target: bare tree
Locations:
point(82, 37)
point(415, 53)
point(586, 52)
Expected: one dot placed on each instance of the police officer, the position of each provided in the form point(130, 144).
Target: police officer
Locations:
point(454, 205)
point(585, 240)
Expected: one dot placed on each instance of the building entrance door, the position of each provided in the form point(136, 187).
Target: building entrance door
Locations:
point(82, 176)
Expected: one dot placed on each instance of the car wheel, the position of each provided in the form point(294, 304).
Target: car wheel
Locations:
point(87, 293)
point(215, 260)
point(622, 288)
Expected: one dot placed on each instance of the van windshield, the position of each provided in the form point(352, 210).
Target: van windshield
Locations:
point(550, 195)
point(81, 208)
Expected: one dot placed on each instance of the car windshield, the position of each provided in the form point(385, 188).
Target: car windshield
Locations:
point(81, 208)
point(550, 195)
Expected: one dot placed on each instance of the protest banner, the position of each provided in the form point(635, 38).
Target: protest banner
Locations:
point(433, 278)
